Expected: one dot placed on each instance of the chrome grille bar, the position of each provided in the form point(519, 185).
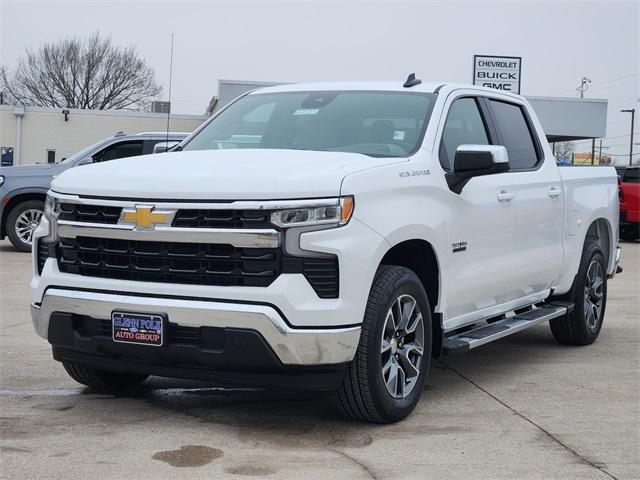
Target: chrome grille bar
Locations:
point(242, 238)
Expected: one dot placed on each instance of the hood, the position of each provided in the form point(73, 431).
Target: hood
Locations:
point(243, 174)
point(45, 169)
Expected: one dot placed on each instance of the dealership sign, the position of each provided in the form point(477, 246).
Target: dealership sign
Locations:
point(501, 73)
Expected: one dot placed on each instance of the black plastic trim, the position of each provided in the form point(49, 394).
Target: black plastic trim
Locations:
point(233, 356)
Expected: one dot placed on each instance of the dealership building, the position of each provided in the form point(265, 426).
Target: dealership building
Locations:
point(47, 135)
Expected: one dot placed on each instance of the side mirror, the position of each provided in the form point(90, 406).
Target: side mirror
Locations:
point(474, 161)
point(161, 147)
point(84, 161)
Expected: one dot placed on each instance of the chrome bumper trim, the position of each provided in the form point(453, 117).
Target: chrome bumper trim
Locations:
point(292, 346)
point(242, 238)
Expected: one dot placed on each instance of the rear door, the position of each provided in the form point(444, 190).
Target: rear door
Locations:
point(539, 202)
point(481, 224)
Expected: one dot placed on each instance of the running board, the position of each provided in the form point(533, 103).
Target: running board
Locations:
point(465, 341)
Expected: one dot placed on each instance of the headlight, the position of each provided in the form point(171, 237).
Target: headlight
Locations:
point(333, 211)
point(51, 208)
point(1, 180)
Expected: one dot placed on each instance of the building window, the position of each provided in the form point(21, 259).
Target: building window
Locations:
point(51, 156)
point(6, 156)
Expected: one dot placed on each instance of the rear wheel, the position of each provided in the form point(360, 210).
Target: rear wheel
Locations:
point(22, 222)
point(387, 375)
point(102, 379)
point(589, 296)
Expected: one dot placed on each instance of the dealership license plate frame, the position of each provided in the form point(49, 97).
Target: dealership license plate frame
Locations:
point(137, 316)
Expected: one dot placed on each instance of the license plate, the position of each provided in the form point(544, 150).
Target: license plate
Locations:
point(138, 328)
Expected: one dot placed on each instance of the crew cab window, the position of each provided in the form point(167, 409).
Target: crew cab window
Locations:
point(515, 135)
point(119, 150)
point(464, 126)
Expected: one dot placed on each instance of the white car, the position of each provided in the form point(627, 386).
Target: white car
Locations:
point(330, 236)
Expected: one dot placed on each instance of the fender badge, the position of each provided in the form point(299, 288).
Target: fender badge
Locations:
point(459, 247)
point(414, 173)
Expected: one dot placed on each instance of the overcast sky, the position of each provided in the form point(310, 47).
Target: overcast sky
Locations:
point(297, 41)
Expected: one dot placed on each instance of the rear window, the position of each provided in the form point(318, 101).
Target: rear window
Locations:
point(631, 175)
point(515, 135)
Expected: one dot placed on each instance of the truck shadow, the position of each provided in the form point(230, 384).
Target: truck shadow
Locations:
point(291, 418)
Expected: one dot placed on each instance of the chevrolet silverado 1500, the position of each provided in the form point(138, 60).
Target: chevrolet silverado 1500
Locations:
point(325, 236)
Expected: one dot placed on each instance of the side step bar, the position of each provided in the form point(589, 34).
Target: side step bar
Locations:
point(465, 341)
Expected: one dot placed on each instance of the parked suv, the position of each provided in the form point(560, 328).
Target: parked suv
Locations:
point(23, 188)
point(629, 202)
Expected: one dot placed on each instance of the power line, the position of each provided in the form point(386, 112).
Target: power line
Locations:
point(602, 83)
point(605, 138)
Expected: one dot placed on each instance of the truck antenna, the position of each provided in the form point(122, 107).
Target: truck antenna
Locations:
point(170, 78)
point(412, 81)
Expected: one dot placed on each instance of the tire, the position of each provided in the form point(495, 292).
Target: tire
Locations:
point(364, 394)
point(583, 325)
point(19, 218)
point(103, 380)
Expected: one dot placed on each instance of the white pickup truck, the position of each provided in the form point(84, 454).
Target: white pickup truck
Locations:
point(325, 236)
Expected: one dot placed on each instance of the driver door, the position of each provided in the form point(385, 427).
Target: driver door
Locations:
point(481, 223)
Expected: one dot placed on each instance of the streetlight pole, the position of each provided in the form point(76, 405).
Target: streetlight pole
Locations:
point(632, 111)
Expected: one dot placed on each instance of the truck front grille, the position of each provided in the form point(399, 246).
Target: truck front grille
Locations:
point(169, 262)
point(222, 219)
point(74, 212)
point(192, 263)
point(184, 218)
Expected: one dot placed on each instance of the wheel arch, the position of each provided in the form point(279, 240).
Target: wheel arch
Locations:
point(419, 256)
point(600, 231)
point(16, 198)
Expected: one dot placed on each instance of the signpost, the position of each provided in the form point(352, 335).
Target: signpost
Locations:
point(501, 73)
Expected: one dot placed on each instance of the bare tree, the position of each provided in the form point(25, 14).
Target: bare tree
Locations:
point(563, 150)
point(75, 73)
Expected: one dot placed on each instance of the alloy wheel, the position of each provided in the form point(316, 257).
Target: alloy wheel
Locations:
point(402, 346)
point(26, 225)
point(593, 294)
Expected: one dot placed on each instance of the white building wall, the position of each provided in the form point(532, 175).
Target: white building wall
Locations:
point(45, 129)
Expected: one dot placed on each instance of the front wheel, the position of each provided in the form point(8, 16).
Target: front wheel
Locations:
point(589, 296)
point(387, 375)
point(22, 222)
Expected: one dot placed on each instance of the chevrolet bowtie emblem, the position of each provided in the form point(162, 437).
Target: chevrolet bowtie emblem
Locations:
point(145, 217)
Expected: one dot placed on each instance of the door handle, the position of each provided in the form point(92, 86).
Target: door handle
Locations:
point(505, 196)
point(554, 192)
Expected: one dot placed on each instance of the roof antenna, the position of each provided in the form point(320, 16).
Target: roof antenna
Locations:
point(170, 78)
point(412, 81)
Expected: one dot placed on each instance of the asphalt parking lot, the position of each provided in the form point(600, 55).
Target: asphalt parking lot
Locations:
point(520, 408)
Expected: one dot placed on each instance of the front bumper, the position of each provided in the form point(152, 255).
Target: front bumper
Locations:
point(291, 346)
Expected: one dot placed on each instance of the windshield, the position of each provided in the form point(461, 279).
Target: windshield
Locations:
point(380, 124)
point(83, 153)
